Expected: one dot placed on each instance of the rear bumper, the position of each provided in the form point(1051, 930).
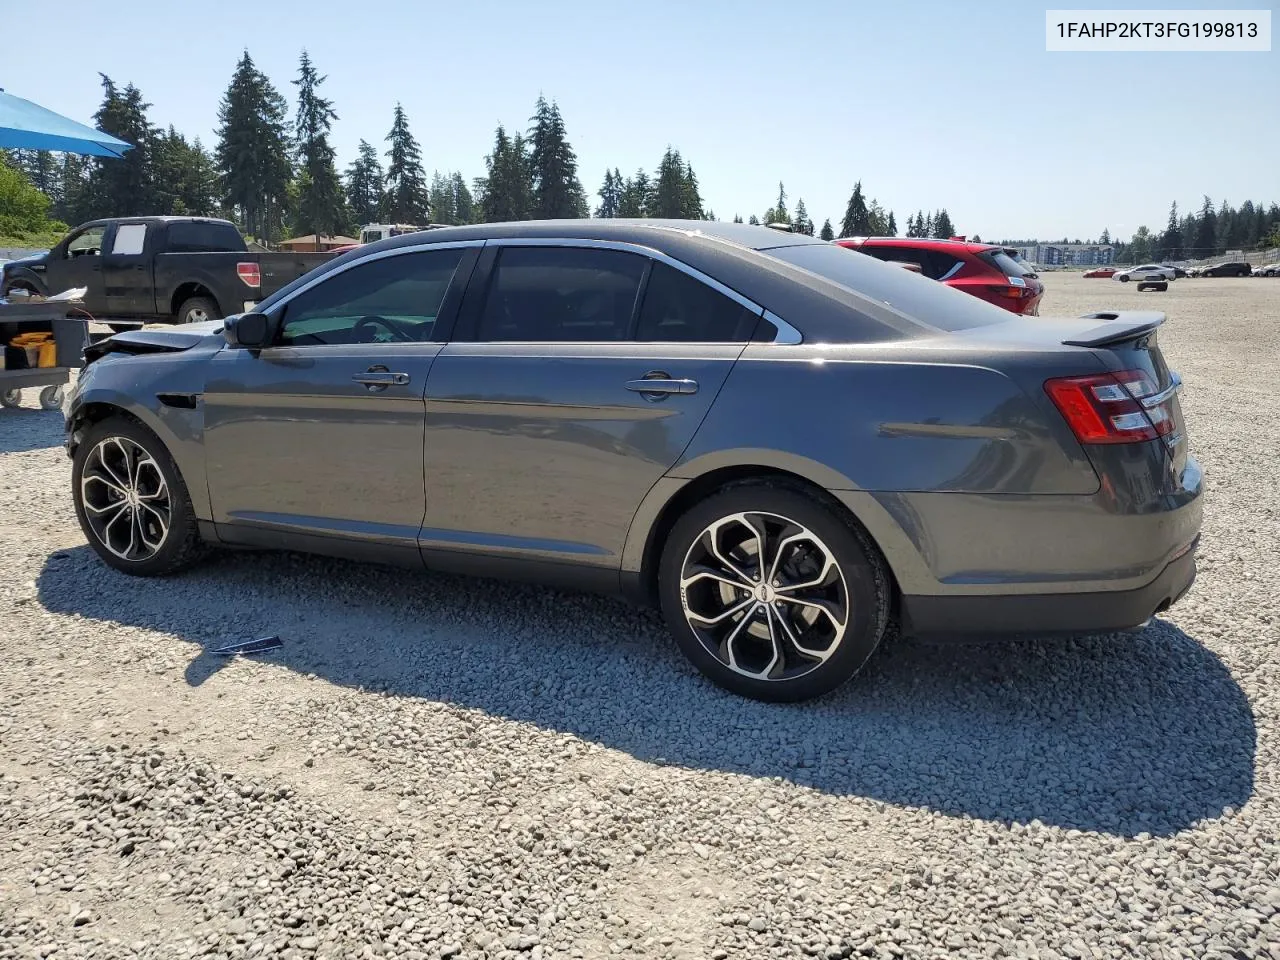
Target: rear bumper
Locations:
point(1000, 617)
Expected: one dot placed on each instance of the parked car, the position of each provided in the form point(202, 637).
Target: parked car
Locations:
point(1229, 268)
point(1100, 272)
point(633, 407)
point(1267, 270)
point(158, 269)
point(984, 270)
point(1148, 271)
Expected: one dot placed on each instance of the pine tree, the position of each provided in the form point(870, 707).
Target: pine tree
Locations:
point(691, 199)
point(891, 227)
point(1105, 238)
point(321, 205)
point(926, 226)
point(737, 218)
point(753, 220)
point(185, 182)
point(442, 199)
point(827, 233)
point(636, 197)
point(802, 223)
point(364, 185)
point(942, 228)
point(1206, 235)
point(670, 187)
point(557, 192)
point(252, 155)
point(610, 194)
point(1170, 246)
point(405, 199)
point(121, 187)
point(857, 220)
point(507, 191)
point(464, 205)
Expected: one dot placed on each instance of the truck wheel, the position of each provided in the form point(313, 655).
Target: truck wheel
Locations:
point(198, 310)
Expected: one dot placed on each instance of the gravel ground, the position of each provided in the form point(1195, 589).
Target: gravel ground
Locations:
point(438, 767)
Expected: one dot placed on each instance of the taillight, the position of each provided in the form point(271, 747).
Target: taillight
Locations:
point(1124, 407)
point(1013, 293)
point(250, 273)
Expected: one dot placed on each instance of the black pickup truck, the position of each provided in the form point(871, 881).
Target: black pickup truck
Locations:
point(158, 269)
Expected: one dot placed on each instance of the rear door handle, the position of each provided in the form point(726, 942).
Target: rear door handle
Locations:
point(380, 379)
point(662, 386)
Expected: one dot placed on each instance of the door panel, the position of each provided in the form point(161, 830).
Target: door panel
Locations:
point(541, 451)
point(80, 265)
point(126, 272)
point(295, 443)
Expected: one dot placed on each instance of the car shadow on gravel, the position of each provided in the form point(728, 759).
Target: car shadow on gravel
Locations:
point(1121, 734)
point(23, 429)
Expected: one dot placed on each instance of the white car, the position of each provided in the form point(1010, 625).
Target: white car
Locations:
point(1148, 271)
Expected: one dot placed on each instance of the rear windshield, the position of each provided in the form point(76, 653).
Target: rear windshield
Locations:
point(197, 237)
point(922, 300)
point(1007, 264)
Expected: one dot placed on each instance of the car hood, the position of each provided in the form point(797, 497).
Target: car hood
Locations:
point(26, 261)
point(159, 339)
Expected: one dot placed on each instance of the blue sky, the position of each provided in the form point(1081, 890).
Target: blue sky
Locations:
point(929, 104)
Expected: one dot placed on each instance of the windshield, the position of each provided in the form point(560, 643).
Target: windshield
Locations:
point(922, 300)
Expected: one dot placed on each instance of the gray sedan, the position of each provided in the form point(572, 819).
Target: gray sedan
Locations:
point(783, 444)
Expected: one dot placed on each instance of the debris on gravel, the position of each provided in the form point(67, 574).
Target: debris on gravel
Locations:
point(433, 767)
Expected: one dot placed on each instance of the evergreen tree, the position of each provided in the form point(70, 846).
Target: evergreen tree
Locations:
point(464, 205)
point(827, 233)
point(252, 155)
point(557, 192)
point(1105, 238)
point(691, 199)
point(753, 220)
point(507, 191)
point(185, 179)
point(636, 197)
point(364, 185)
point(73, 172)
point(802, 223)
point(1206, 235)
point(878, 222)
point(926, 226)
point(121, 187)
point(321, 204)
point(1246, 226)
point(1170, 246)
point(669, 187)
point(857, 218)
point(737, 218)
point(610, 195)
point(942, 228)
point(891, 227)
point(976, 238)
point(405, 199)
point(1140, 245)
point(1229, 232)
point(442, 208)
point(780, 208)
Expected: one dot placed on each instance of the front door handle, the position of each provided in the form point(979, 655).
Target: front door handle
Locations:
point(661, 386)
point(379, 378)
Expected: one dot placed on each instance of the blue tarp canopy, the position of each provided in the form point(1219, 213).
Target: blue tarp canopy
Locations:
point(28, 126)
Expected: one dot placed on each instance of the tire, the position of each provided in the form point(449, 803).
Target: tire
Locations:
point(197, 310)
point(51, 398)
point(1124, 279)
point(11, 398)
point(1241, 273)
point(179, 546)
point(856, 587)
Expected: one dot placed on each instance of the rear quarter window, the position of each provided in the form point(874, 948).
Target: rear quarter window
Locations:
point(1006, 264)
point(925, 302)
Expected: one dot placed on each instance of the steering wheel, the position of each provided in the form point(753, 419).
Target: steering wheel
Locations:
point(397, 329)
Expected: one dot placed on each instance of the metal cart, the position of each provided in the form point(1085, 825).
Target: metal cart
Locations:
point(70, 336)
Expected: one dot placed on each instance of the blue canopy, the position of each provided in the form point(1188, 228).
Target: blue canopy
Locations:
point(26, 126)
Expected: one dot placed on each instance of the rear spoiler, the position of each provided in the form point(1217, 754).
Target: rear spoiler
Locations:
point(1117, 327)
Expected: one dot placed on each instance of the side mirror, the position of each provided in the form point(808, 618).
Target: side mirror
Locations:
point(250, 330)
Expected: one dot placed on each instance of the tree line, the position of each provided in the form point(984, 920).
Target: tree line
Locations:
point(273, 170)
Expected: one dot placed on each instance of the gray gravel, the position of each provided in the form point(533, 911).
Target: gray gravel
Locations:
point(439, 767)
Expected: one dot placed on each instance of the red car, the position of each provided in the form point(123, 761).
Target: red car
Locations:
point(986, 271)
point(1101, 272)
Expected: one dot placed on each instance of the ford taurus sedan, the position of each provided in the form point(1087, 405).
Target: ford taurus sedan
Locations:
point(782, 446)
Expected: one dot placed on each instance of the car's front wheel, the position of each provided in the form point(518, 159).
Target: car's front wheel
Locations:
point(771, 593)
point(131, 501)
point(1122, 278)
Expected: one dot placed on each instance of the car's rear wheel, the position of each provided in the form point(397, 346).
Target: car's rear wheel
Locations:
point(131, 501)
point(1124, 279)
point(198, 310)
point(771, 593)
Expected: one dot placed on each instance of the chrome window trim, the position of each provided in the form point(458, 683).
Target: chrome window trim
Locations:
point(1175, 385)
point(380, 255)
point(786, 334)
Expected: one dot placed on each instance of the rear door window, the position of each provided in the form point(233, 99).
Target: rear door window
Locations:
point(1005, 263)
point(561, 294)
point(130, 239)
point(679, 308)
point(945, 266)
